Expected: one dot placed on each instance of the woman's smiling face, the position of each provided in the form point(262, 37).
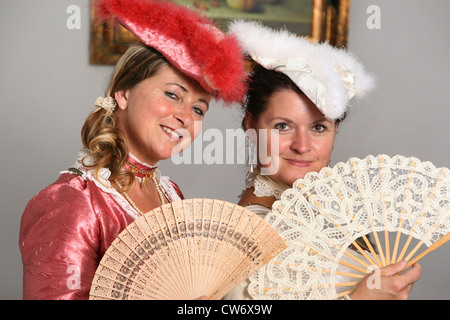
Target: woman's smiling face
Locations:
point(162, 114)
point(305, 137)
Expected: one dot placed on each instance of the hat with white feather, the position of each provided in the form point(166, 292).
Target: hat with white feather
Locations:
point(328, 76)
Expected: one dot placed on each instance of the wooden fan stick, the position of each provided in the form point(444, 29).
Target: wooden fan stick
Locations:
point(212, 242)
point(234, 235)
point(187, 208)
point(363, 252)
point(405, 247)
point(361, 262)
point(347, 284)
point(213, 261)
point(339, 273)
point(340, 295)
point(154, 227)
point(227, 219)
point(137, 232)
point(369, 245)
point(397, 240)
point(256, 235)
point(352, 266)
point(166, 244)
point(396, 244)
point(369, 211)
point(354, 243)
point(342, 284)
point(175, 219)
point(381, 263)
point(372, 251)
point(413, 251)
point(198, 208)
point(417, 222)
point(435, 225)
point(203, 213)
point(342, 262)
point(408, 241)
point(231, 253)
point(432, 247)
point(258, 259)
point(167, 222)
point(386, 233)
point(146, 263)
point(235, 253)
point(387, 247)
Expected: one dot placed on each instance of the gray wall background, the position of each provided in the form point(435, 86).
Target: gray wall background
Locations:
point(47, 88)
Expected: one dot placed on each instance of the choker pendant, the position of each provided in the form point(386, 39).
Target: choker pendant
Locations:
point(142, 174)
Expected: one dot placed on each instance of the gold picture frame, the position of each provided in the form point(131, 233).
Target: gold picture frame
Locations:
point(329, 22)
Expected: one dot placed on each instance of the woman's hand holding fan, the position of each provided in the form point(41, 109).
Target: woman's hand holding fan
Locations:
point(322, 216)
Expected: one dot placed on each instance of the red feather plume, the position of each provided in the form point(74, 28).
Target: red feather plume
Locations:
point(188, 40)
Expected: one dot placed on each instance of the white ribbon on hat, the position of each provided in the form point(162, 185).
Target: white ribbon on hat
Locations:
point(300, 72)
point(348, 79)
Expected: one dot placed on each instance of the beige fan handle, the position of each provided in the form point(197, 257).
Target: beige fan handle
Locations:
point(433, 247)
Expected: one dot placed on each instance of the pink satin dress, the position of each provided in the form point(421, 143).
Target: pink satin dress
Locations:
point(65, 230)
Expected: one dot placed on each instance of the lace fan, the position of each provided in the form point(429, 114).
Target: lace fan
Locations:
point(322, 216)
point(185, 250)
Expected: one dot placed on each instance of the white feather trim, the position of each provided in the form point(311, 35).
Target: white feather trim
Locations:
point(329, 76)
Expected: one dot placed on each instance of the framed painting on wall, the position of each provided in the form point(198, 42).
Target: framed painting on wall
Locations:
point(320, 20)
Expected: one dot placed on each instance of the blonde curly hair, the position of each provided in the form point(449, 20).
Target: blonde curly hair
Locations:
point(100, 133)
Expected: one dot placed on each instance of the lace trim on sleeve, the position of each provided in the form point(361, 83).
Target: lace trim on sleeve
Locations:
point(168, 189)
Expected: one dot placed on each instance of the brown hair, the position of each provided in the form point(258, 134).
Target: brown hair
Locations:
point(100, 133)
point(263, 84)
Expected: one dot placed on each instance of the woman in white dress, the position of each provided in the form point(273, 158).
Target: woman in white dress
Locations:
point(302, 91)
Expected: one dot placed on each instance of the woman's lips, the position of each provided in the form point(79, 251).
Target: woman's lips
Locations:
point(299, 163)
point(172, 134)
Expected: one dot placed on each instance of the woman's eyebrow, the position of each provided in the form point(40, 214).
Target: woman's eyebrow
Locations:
point(322, 119)
point(185, 90)
point(206, 102)
point(177, 84)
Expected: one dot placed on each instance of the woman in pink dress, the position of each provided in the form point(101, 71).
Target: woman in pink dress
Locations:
point(159, 92)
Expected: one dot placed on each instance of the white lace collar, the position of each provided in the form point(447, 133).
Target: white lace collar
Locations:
point(264, 186)
point(104, 184)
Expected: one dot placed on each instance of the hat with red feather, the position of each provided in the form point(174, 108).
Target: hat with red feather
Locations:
point(189, 41)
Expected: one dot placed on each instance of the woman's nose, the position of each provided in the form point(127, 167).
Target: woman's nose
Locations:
point(301, 143)
point(184, 116)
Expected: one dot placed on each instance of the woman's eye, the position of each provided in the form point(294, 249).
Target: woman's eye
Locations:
point(171, 95)
point(198, 111)
point(282, 126)
point(319, 128)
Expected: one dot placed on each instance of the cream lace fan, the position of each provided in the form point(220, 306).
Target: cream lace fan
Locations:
point(401, 204)
point(185, 250)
